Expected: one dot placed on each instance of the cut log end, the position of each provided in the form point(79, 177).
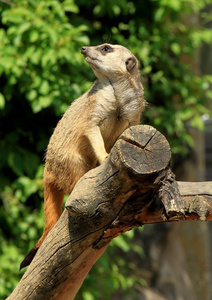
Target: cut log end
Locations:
point(143, 150)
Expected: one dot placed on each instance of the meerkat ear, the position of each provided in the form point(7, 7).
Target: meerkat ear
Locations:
point(130, 63)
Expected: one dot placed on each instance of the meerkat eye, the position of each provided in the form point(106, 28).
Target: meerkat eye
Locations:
point(106, 49)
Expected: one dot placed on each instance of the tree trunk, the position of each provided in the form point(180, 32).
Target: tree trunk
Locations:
point(134, 186)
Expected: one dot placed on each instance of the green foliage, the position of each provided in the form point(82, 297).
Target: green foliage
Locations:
point(38, 54)
point(42, 71)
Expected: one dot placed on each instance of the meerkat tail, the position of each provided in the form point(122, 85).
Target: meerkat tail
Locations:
point(53, 201)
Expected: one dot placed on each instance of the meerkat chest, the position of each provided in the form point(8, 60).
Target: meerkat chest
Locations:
point(112, 109)
point(113, 115)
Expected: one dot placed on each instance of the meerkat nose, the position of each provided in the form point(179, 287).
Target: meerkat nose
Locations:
point(83, 50)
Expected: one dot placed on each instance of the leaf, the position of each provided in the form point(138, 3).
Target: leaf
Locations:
point(36, 107)
point(82, 39)
point(44, 87)
point(88, 295)
point(45, 101)
point(69, 6)
point(49, 57)
point(28, 185)
point(32, 95)
point(23, 27)
point(159, 14)
point(33, 36)
point(122, 243)
point(7, 63)
point(2, 101)
point(175, 47)
point(52, 34)
point(2, 35)
point(116, 9)
point(15, 161)
point(31, 163)
point(11, 16)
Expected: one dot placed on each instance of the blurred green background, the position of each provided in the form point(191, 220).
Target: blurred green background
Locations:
point(42, 71)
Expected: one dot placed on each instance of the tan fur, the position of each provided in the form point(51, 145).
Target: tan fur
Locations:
point(91, 125)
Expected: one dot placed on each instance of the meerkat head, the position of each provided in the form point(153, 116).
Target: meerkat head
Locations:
point(111, 61)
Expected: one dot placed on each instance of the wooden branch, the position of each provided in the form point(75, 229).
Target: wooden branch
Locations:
point(134, 186)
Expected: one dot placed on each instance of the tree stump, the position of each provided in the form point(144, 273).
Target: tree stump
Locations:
point(134, 186)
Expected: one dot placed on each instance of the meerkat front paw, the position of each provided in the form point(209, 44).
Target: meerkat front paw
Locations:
point(102, 158)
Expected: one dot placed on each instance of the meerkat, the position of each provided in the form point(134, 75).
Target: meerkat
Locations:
point(90, 127)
